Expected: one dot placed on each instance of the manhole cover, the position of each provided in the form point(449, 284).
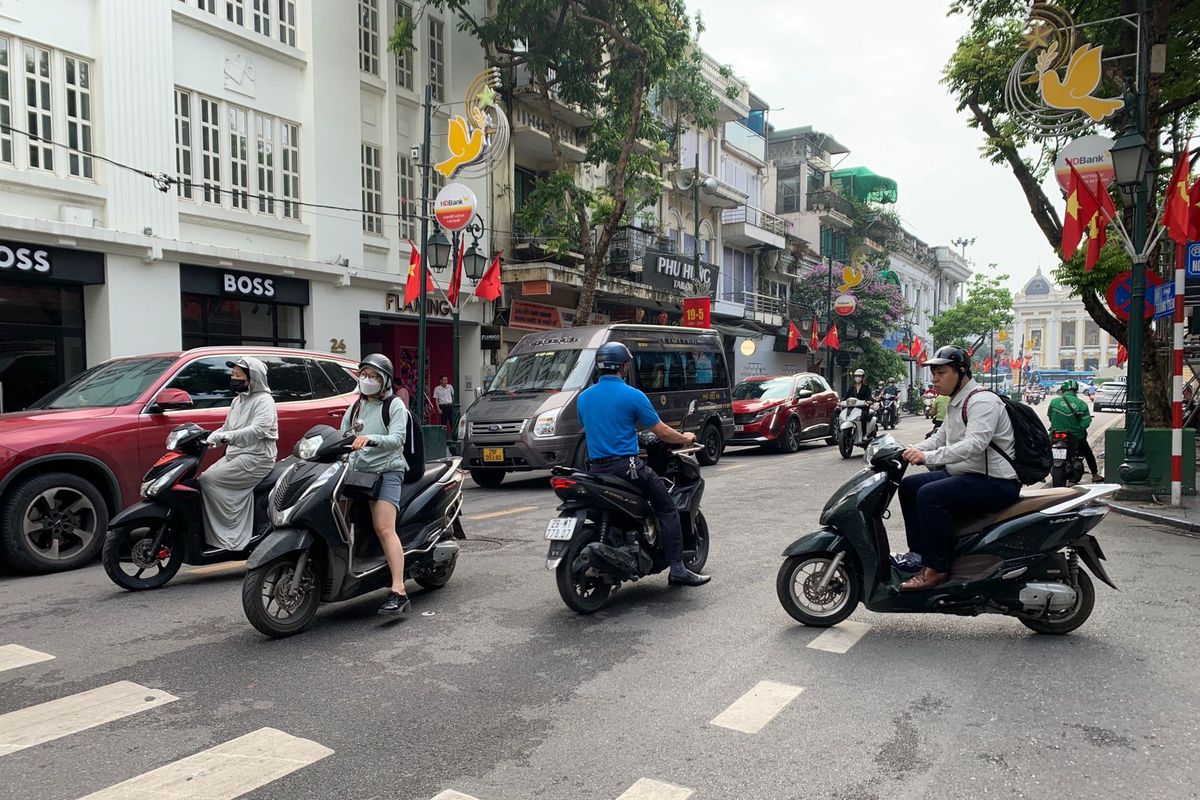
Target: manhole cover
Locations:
point(478, 544)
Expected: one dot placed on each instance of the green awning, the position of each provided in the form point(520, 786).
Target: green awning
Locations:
point(863, 184)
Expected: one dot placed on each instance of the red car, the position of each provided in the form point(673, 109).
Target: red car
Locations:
point(77, 456)
point(780, 411)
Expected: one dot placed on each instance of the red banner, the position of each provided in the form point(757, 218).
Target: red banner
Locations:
point(697, 312)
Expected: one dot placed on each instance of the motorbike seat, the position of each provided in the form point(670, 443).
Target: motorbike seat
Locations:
point(264, 486)
point(1030, 501)
point(615, 481)
point(434, 470)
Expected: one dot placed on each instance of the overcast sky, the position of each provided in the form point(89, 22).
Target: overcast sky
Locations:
point(867, 72)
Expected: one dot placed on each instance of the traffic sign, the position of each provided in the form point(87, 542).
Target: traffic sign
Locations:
point(1163, 297)
point(1193, 260)
point(1120, 289)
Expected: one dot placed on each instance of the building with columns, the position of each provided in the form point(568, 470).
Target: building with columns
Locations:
point(1057, 330)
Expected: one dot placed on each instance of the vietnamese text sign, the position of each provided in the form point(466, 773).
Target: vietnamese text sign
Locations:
point(454, 206)
point(679, 274)
point(1163, 298)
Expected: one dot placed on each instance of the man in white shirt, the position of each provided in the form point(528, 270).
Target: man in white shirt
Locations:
point(443, 395)
point(972, 445)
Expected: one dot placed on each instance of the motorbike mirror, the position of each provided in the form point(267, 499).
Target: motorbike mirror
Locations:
point(803, 394)
point(691, 408)
point(170, 400)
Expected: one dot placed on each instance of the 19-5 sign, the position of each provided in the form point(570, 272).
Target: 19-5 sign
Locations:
point(697, 312)
point(454, 206)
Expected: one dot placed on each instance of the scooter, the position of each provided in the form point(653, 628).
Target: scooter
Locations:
point(148, 542)
point(850, 427)
point(1068, 462)
point(323, 546)
point(889, 413)
point(1022, 561)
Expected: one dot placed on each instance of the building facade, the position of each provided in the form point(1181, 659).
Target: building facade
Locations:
point(1056, 330)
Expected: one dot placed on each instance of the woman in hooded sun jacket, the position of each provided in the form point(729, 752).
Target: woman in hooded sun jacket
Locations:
point(250, 431)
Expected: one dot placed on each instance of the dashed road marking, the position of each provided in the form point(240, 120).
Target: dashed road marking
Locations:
point(14, 655)
point(840, 637)
point(223, 567)
point(48, 721)
point(730, 466)
point(647, 789)
point(504, 513)
point(229, 770)
point(450, 794)
point(751, 712)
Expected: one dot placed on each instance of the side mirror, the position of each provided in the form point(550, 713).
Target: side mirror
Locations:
point(803, 394)
point(691, 408)
point(171, 400)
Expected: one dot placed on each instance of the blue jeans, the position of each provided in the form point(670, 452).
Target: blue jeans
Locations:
point(930, 500)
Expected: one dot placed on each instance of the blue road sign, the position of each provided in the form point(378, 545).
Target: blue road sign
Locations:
point(1163, 298)
point(1193, 260)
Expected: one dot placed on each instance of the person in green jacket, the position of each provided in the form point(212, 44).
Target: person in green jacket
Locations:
point(1071, 415)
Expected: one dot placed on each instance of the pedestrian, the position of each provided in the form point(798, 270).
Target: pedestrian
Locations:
point(443, 394)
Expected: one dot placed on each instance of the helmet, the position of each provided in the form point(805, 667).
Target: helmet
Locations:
point(952, 356)
point(611, 356)
point(859, 373)
point(381, 364)
point(1070, 386)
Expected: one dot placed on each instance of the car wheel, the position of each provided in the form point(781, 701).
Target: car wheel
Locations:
point(488, 478)
point(832, 438)
point(789, 439)
point(52, 522)
point(710, 439)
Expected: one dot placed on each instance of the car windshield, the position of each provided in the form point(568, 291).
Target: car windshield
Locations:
point(551, 370)
point(107, 385)
point(773, 389)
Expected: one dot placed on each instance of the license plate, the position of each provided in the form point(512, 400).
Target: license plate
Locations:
point(493, 454)
point(561, 529)
point(1058, 452)
point(739, 428)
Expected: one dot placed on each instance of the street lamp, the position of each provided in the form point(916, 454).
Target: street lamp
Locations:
point(475, 262)
point(1130, 158)
point(439, 252)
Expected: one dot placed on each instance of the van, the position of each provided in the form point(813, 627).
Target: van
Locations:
point(526, 420)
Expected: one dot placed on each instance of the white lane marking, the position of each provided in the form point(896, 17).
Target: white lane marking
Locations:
point(505, 513)
point(731, 466)
point(14, 655)
point(647, 789)
point(450, 794)
point(211, 568)
point(840, 637)
point(751, 712)
point(57, 718)
point(229, 770)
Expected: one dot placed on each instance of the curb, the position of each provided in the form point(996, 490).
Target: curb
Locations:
point(1182, 527)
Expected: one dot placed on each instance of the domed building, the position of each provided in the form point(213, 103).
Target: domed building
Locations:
point(1057, 330)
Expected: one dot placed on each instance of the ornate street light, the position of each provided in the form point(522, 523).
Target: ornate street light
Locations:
point(439, 252)
point(1131, 158)
point(474, 262)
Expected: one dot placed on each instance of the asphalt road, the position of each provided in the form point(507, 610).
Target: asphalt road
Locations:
point(494, 690)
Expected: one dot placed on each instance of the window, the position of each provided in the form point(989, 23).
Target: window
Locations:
point(372, 186)
point(368, 36)
point(704, 369)
point(37, 108)
point(287, 21)
point(1035, 336)
point(207, 5)
point(79, 117)
point(660, 371)
point(406, 180)
point(289, 141)
point(1068, 334)
point(737, 275)
point(210, 149)
point(206, 380)
point(404, 64)
point(437, 182)
point(322, 386)
point(219, 321)
point(183, 142)
point(262, 17)
point(288, 379)
point(343, 381)
point(1091, 334)
point(789, 196)
point(1091, 364)
point(265, 134)
point(6, 143)
point(437, 58)
point(1067, 365)
point(235, 11)
point(239, 158)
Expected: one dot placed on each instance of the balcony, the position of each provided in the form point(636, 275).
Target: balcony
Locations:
point(765, 308)
point(531, 139)
point(751, 143)
point(747, 226)
point(527, 247)
point(728, 109)
point(629, 245)
point(721, 195)
point(832, 208)
point(524, 87)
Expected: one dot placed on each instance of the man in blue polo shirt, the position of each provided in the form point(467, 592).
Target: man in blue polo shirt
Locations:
point(611, 411)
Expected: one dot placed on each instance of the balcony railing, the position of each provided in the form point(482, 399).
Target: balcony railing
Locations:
point(524, 116)
point(746, 140)
point(831, 201)
point(763, 304)
point(630, 243)
point(757, 217)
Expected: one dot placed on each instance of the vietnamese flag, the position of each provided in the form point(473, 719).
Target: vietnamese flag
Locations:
point(1194, 196)
point(489, 284)
point(900, 348)
point(916, 347)
point(793, 335)
point(1081, 207)
point(814, 340)
point(831, 338)
point(1177, 212)
point(987, 364)
point(1122, 354)
point(921, 358)
point(412, 287)
point(456, 279)
point(1098, 229)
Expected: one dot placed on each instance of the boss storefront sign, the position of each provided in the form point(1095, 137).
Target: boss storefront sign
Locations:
point(247, 285)
point(243, 285)
point(19, 260)
point(24, 259)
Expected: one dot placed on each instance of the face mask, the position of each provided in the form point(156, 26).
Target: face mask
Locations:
point(369, 386)
point(239, 386)
point(858, 378)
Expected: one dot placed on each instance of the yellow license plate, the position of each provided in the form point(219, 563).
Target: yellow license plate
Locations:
point(493, 454)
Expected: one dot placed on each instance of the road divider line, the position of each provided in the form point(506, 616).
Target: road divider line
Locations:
point(228, 565)
point(840, 637)
point(450, 794)
point(731, 466)
point(13, 656)
point(647, 789)
point(53, 720)
point(229, 770)
point(751, 712)
point(504, 513)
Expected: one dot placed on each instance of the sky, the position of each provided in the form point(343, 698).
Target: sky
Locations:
point(867, 72)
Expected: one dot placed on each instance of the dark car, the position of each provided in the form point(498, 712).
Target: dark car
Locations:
point(781, 411)
point(77, 456)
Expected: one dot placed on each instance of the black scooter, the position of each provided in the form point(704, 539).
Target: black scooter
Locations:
point(605, 532)
point(1022, 561)
point(148, 542)
point(1068, 462)
point(889, 411)
point(323, 546)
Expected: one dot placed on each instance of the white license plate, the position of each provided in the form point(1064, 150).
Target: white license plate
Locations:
point(561, 529)
point(739, 428)
point(1058, 452)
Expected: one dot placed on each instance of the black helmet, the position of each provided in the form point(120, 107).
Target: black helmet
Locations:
point(953, 356)
point(611, 356)
point(381, 364)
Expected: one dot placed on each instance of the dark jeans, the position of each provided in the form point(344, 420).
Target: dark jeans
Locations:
point(930, 500)
point(1085, 450)
point(669, 530)
point(447, 413)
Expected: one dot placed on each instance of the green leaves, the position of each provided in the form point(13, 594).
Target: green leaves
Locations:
point(988, 307)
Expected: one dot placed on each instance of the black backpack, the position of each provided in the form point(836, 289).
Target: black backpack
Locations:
point(414, 442)
point(1032, 443)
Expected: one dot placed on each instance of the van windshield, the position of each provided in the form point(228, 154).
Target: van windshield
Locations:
point(552, 370)
point(108, 385)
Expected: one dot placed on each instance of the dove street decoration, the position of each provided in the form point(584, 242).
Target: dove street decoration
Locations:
point(478, 140)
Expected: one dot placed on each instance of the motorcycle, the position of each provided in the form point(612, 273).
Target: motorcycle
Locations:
point(937, 423)
point(323, 546)
point(889, 411)
point(1068, 462)
point(929, 407)
point(147, 543)
point(605, 532)
point(850, 427)
point(1022, 561)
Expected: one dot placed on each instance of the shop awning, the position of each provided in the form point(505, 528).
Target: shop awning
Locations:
point(737, 331)
point(863, 184)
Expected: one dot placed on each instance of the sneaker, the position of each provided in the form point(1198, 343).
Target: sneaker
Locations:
point(1097, 479)
point(396, 605)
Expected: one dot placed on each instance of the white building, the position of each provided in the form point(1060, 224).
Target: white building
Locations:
point(260, 108)
point(1057, 330)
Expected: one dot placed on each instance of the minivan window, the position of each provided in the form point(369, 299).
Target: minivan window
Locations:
point(704, 370)
point(207, 381)
point(549, 370)
point(660, 371)
point(107, 385)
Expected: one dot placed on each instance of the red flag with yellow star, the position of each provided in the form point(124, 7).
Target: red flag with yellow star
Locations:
point(793, 335)
point(1081, 207)
point(1098, 229)
point(814, 339)
point(1177, 212)
point(831, 338)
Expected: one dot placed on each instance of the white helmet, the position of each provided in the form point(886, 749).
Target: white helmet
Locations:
point(858, 373)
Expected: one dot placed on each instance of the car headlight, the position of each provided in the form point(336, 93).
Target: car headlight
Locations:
point(152, 487)
point(309, 447)
point(462, 427)
point(544, 426)
point(762, 415)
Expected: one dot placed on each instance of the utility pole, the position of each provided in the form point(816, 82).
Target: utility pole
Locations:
point(419, 401)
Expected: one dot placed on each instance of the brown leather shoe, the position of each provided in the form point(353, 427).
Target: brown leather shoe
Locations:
point(927, 578)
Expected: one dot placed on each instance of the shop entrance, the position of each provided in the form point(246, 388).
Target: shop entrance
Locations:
point(225, 308)
point(396, 338)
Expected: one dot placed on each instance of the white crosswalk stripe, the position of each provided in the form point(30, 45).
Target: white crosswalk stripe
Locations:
point(67, 715)
point(840, 637)
point(14, 655)
point(223, 772)
point(751, 712)
point(647, 789)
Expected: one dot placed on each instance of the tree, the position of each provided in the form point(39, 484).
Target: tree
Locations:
point(880, 363)
point(988, 308)
point(976, 74)
point(879, 305)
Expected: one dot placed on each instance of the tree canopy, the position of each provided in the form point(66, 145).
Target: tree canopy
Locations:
point(988, 308)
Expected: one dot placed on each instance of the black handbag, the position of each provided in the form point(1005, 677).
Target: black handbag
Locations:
point(362, 483)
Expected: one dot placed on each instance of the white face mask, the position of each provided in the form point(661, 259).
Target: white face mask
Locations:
point(369, 386)
point(858, 378)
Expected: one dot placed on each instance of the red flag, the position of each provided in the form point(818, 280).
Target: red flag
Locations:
point(831, 338)
point(921, 358)
point(1122, 354)
point(1098, 229)
point(987, 364)
point(456, 279)
point(814, 339)
point(412, 288)
point(793, 335)
point(916, 347)
point(489, 284)
point(1081, 207)
point(1194, 196)
point(901, 348)
point(1177, 212)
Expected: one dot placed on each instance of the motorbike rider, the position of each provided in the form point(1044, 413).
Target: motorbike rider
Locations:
point(1070, 415)
point(250, 431)
point(976, 479)
point(379, 449)
point(861, 390)
point(610, 411)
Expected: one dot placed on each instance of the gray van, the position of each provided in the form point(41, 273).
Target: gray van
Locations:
point(526, 419)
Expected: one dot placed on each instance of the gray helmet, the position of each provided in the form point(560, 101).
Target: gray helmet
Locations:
point(381, 364)
point(611, 356)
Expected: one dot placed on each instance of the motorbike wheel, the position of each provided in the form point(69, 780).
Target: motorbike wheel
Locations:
point(697, 562)
point(271, 609)
point(846, 444)
point(1085, 600)
point(130, 564)
point(582, 594)
point(789, 440)
point(796, 586)
point(1058, 476)
point(438, 579)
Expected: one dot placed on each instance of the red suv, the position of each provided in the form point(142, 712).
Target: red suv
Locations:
point(77, 456)
point(780, 411)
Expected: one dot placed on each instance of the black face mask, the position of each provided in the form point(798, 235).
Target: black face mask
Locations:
point(239, 386)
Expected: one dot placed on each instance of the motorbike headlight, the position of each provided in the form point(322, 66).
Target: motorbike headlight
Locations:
point(152, 487)
point(309, 447)
point(544, 426)
point(176, 436)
